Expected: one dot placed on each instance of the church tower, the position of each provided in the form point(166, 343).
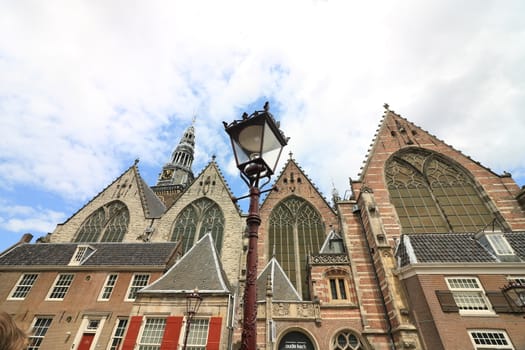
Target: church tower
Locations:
point(176, 175)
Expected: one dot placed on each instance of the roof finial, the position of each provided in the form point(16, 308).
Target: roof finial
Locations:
point(194, 119)
point(387, 107)
point(290, 154)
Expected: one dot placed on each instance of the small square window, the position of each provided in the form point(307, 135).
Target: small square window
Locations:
point(487, 339)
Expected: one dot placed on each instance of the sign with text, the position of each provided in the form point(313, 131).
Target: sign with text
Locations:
point(295, 341)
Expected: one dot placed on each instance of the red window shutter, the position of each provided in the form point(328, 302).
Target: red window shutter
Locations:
point(132, 333)
point(170, 340)
point(214, 334)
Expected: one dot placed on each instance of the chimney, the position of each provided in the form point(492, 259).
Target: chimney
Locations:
point(26, 238)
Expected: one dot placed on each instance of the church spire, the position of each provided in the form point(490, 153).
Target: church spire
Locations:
point(178, 170)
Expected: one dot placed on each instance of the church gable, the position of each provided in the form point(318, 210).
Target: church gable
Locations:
point(206, 206)
point(119, 213)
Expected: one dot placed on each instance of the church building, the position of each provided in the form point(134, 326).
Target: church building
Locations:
point(425, 251)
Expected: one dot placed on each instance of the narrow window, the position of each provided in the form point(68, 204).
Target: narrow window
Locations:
point(198, 336)
point(469, 295)
point(38, 332)
point(23, 286)
point(152, 334)
point(118, 334)
point(111, 280)
point(488, 339)
point(338, 288)
point(61, 286)
point(138, 282)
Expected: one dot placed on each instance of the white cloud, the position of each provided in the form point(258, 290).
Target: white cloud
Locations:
point(87, 87)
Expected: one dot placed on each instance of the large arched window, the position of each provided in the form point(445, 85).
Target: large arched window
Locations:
point(347, 340)
point(431, 194)
point(109, 221)
point(296, 230)
point(195, 220)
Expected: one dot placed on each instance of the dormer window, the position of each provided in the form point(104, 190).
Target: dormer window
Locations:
point(500, 244)
point(81, 254)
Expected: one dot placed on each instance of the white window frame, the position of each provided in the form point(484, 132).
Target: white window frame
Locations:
point(22, 287)
point(467, 290)
point(142, 344)
point(81, 254)
point(489, 337)
point(108, 287)
point(499, 243)
point(519, 280)
point(134, 287)
point(37, 335)
point(117, 337)
point(64, 284)
point(198, 335)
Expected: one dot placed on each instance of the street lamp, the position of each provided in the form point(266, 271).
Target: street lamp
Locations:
point(515, 292)
point(257, 144)
point(193, 302)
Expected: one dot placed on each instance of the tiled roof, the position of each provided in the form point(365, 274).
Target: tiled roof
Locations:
point(452, 248)
point(282, 288)
point(199, 268)
point(114, 254)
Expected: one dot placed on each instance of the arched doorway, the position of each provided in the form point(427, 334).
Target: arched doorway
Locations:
point(295, 340)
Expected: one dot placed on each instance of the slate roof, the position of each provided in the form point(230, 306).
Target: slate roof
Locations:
point(333, 244)
point(199, 268)
point(105, 254)
point(282, 288)
point(452, 248)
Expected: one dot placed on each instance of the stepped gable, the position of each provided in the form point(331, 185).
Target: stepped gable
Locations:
point(397, 132)
point(152, 205)
point(451, 248)
point(275, 278)
point(283, 183)
point(199, 268)
point(104, 254)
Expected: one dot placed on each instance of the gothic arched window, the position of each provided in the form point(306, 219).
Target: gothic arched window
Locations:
point(295, 229)
point(347, 340)
point(431, 194)
point(201, 216)
point(109, 221)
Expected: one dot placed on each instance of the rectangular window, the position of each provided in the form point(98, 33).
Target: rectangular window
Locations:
point(118, 334)
point(519, 281)
point(499, 244)
point(487, 339)
point(138, 282)
point(338, 288)
point(111, 280)
point(152, 334)
point(62, 284)
point(40, 327)
point(469, 295)
point(23, 286)
point(198, 336)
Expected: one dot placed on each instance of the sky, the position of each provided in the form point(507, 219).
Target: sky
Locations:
point(87, 87)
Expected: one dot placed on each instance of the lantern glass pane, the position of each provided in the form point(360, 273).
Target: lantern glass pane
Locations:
point(250, 138)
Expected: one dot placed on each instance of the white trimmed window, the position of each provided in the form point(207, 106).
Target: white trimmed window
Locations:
point(61, 286)
point(23, 286)
point(469, 295)
point(109, 285)
point(138, 282)
point(152, 334)
point(500, 244)
point(38, 332)
point(198, 336)
point(488, 339)
point(519, 280)
point(118, 334)
point(81, 254)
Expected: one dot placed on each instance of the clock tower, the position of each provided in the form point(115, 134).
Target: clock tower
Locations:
point(177, 174)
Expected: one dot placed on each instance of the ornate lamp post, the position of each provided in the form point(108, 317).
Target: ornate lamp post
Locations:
point(193, 302)
point(515, 293)
point(257, 144)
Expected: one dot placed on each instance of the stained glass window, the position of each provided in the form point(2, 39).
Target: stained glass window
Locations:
point(295, 230)
point(108, 223)
point(201, 216)
point(431, 195)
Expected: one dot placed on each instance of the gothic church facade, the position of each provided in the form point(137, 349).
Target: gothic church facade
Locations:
point(423, 253)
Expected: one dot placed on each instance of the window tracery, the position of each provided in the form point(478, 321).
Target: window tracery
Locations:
point(433, 195)
point(201, 216)
point(295, 230)
point(109, 221)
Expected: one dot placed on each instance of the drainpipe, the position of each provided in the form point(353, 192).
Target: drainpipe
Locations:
point(357, 211)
